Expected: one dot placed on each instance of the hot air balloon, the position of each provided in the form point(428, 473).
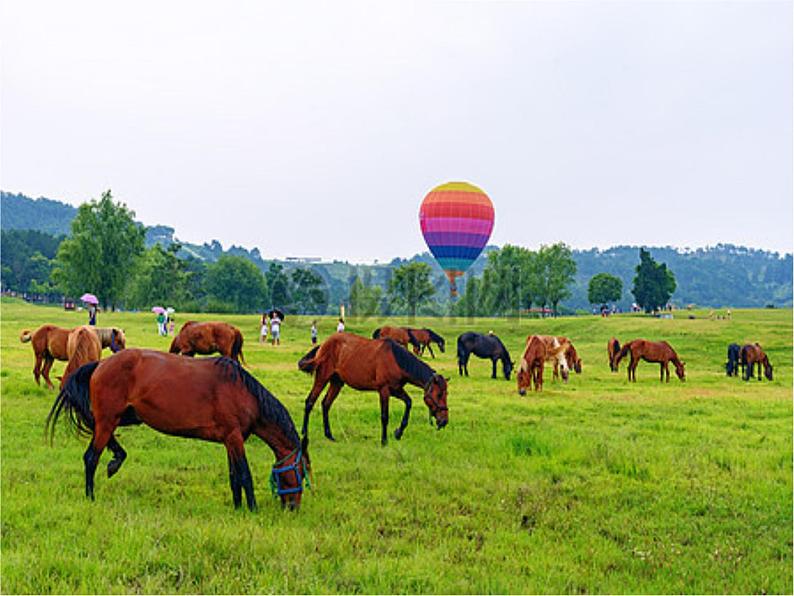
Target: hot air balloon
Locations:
point(457, 220)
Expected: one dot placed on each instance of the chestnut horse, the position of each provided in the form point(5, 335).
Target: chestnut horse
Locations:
point(531, 369)
point(752, 354)
point(426, 337)
point(651, 351)
point(208, 338)
point(402, 335)
point(49, 344)
point(213, 399)
point(82, 346)
point(562, 354)
point(613, 349)
point(381, 365)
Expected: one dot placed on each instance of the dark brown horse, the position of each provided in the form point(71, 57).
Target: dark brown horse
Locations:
point(427, 337)
point(402, 335)
point(613, 349)
point(531, 368)
point(752, 354)
point(650, 351)
point(213, 399)
point(208, 338)
point(381, 365)
point(83, 346)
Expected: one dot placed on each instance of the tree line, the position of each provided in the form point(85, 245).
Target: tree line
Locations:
point(106, 255)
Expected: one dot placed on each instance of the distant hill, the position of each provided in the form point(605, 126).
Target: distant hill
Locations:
point(720, 276)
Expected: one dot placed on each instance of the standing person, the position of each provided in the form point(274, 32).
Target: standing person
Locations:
point(92, 314)
point(171, 324)
point(263, 328)
point(314, 333)
point(275, 330)
point(341, 325)
point(161, 323)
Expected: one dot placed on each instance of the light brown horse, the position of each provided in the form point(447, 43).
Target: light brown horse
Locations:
point(531, 368)
point(82, 346)
point(613, 349)
point(752, 354)
point(213, 399)
point(49, 344)
point(650, 351)
point(381, 365)
point(402, 335)
point(208, 338)
point(111, 337)
point(557, 353)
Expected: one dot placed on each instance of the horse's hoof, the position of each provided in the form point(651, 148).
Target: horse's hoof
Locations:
point(330, 437)
point(113, 467)
point(398, 434)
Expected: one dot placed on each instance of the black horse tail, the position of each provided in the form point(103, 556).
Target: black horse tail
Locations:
point(412, 338)
point(75, 398)
point(308, 363)
point(237, 348)
point(376, 333)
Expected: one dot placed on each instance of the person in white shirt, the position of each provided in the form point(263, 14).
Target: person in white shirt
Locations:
point(275, 330)
point(341, 326)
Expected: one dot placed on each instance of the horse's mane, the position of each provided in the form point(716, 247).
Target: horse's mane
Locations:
point(84, 343)
point(411, 337)
point(410, 364)
point(615, 346)
point(376, 333)
point(505, 353)
point(434, 336)
point(270, 408)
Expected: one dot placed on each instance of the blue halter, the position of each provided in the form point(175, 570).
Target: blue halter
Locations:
point(300, 473)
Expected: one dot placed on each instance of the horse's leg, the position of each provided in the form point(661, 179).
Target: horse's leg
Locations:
point(401, 394)
point(760, 366)
point(45, 372)
point(37, 369)
point(102, 434)
point(239, 472)
point(317, 389)
point(429, 347)
point(633, 368)
point(555, 374)
point(333, 390)
point(493, 370)
point(119, 455)
point(384, 413)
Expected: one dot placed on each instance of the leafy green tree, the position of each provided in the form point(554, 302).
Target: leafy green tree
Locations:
point(237, 283)
point(556, 272)
point(653, 284)
point(365, 300)
point(195, 284)
point(278, 283)
point(160, 278)
point(410, 286)
point(604, 288)
point(100, 255)
point(469, 304)
point(26, 257)
point(507, 280)
point(308, 293)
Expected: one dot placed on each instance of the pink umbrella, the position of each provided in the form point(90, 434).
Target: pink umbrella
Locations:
point(158, 309)
point(90, 298)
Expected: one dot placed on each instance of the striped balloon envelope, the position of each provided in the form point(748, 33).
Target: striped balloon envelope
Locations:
point(456, 219)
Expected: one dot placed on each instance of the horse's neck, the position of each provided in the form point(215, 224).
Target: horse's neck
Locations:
point(277, 438)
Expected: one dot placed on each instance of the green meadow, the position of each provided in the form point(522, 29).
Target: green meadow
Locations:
point(595, 486)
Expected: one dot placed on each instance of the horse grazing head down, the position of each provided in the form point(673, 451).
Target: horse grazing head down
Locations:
point(288, 475)
point(679, 369)
point(436, 400)
point(118, 341)
point(767, 369)
point(524, 379)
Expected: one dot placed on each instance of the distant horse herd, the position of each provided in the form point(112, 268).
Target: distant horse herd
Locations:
point(218, 400)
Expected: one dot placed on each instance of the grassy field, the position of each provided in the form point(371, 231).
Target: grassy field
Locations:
point(594, 486)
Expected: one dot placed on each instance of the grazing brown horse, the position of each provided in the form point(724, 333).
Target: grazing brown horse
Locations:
point(213, 399)
point(650, 351)
point(377, 364)
point(49, 344)
point(531, 368)
point(752, 354)
point(571, 356)
point(426, 337)
point(208, 338)
point(402, 335)
point(557, 354)
point(613, 349)
point(82, 346)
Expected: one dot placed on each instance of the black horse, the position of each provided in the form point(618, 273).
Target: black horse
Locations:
point(484, 346)
point(734, 360)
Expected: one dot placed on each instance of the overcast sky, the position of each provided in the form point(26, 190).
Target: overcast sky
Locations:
point(317, 129)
